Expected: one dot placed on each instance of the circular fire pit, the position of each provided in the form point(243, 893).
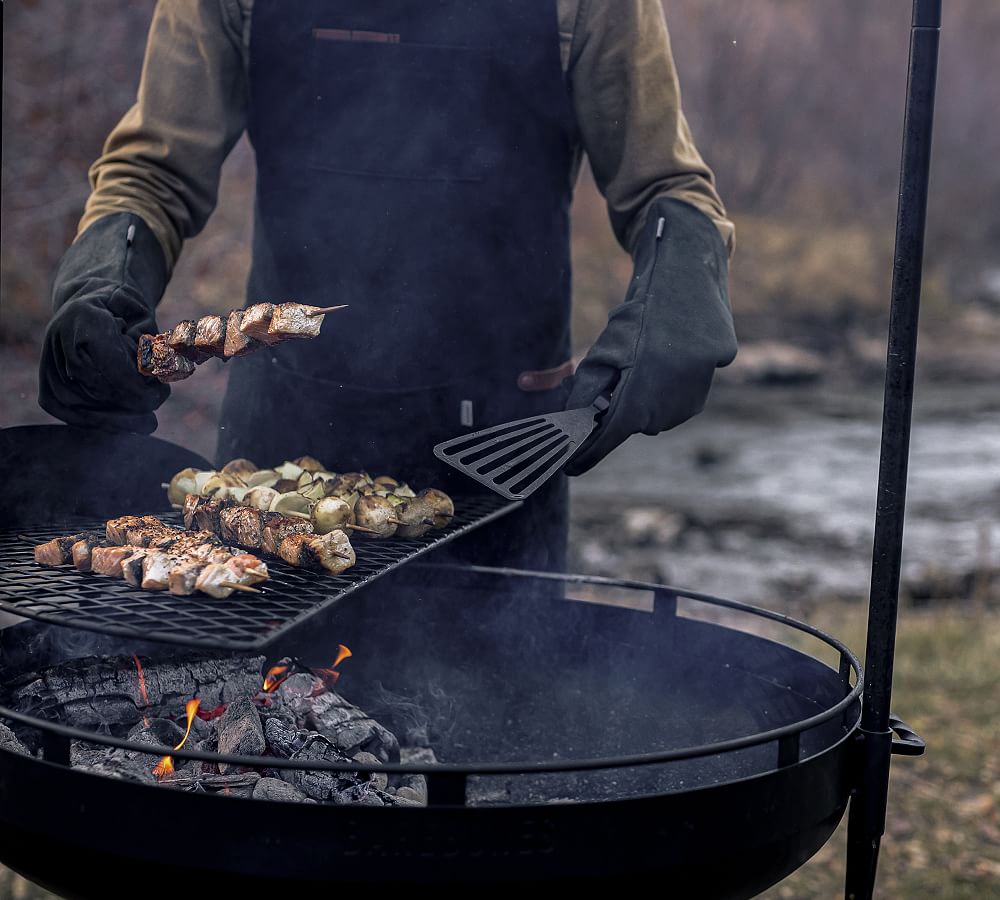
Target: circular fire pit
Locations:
point(669, 742)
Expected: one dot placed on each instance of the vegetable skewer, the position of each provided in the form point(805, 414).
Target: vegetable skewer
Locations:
point(353, 501)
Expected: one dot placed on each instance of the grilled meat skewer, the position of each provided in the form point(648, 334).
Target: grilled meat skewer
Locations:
point(145, 552)
point(271, 532)
point(331, 552)
point(58, 551)
point(172, 355)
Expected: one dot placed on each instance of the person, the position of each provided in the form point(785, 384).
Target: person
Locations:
point(417, 162)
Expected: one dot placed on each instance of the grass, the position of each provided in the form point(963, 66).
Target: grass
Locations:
point(943, 830)
point(943, 833)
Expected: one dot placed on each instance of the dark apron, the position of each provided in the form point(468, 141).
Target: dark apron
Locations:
point(414, 162)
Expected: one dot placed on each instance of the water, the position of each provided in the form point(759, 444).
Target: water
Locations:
point(783, 482)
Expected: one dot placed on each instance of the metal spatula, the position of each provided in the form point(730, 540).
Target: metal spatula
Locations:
point(517, 458)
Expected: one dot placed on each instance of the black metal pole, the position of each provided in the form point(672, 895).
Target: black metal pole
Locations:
point(868, 806)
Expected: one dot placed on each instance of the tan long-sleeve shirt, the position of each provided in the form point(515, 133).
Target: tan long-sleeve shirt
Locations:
point(162, 161)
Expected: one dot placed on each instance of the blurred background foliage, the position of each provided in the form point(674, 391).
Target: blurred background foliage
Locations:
point(796, 105)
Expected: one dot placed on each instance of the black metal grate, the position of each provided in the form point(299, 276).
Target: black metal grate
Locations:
point(64, 596)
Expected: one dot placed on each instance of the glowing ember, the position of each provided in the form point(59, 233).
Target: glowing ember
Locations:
point(275, 675)
point(166, 765)
point(206, 715)
point(142, 688)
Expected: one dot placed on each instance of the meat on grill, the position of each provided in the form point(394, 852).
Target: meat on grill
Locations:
point(59, 551)
point(242, 525)
point(277, 527)
point(150, 554)
point(83, 548)
point(331, 552)
point(290, 538)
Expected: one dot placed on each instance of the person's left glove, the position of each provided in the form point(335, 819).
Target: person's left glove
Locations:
point(660, 348)
point(104, 293)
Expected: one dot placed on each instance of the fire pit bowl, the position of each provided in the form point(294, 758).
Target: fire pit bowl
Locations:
point(669, 743)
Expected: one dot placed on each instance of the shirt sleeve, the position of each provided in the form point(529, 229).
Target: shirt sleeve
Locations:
point(163, 159)
point(628, 109)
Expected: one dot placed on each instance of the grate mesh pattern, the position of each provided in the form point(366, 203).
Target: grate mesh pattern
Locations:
point(64, 596)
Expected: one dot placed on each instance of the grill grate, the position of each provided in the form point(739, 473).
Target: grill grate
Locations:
point(64, 596)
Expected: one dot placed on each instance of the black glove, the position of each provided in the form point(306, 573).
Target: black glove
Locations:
point(106, 288)
point(660, 348)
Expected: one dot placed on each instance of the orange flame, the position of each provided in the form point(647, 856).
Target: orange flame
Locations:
point(275, 675)
point(142, 688)
point(330, 675)
point(166, 765)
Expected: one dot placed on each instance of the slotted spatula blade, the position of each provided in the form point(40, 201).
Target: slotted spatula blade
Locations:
point(517, 458)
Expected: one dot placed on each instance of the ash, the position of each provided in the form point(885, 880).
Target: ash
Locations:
point(301, 719)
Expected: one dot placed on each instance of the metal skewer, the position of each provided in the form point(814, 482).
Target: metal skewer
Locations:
point(322, 310)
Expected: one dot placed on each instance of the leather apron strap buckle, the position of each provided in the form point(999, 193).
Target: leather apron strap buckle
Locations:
point(546, 379)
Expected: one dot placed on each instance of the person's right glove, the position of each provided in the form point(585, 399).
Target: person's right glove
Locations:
point(105, 291)
point(660, 348)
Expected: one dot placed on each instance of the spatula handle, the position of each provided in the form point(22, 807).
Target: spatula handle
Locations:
point(601, 404)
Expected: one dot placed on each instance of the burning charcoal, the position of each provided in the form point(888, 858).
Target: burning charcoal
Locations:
point(414, 787)
point(282, 739)
point(362, 795)
point(114, 763)
point(237, 784)
point(379, 780)
point(10, 741)
point(201, 731)
point(416, 795)
point(342, 723)
point(307, 747)
point(89, 692)
point(279, 791)
point(240, 731)
point(161, 732)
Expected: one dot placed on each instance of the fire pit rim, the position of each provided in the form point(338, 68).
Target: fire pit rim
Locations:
point(849, 662)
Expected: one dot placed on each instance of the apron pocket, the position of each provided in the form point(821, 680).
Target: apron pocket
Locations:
point(399, 110)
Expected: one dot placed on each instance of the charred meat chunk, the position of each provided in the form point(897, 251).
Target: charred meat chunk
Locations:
point(156, 359)
point(242, 525)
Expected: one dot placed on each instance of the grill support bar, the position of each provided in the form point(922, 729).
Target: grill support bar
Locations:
point(868, 806)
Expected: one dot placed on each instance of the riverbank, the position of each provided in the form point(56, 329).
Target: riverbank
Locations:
point(769, 496)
